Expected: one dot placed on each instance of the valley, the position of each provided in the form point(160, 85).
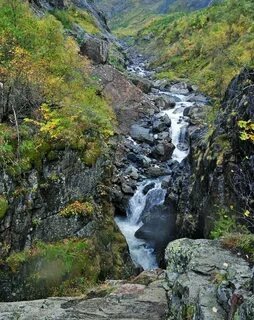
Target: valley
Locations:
point(126, 160)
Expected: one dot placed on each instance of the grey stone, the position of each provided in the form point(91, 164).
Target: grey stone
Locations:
point(96, 49)
point(195, 273)
point(141, 134)
point(126, 301)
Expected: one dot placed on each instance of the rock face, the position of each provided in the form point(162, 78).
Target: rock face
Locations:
point(82, 4)
point(34, 214)
point(128, 101)
point(144, 298)
point(207, 282)
point(221, 163)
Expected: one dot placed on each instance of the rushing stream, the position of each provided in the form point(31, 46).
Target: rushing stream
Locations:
point(141, 253)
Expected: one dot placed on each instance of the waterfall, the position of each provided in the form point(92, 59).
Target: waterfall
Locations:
point(149, 192)
point(142, 255)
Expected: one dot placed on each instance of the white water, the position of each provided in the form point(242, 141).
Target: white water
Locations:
point(178, 123)
point(141, 254)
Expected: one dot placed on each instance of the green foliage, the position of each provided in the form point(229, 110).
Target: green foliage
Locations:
point(3, 206)
point(73, 16)
point(66, 267)
point(243, 242)
point(247, 130)
point(208, 47)
point(223, 225)
point(78, 208)
point(37, 56)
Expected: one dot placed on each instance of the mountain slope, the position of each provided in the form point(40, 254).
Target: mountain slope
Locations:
point(127, 13)
point(208, 47)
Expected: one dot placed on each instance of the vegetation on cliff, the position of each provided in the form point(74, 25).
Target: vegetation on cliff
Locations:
point(49, 100)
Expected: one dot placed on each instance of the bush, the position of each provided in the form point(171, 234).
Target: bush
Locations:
point(223, 225)
point(78, 208)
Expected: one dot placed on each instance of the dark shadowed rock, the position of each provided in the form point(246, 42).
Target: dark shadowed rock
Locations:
point(158, 228)
point(148, 187)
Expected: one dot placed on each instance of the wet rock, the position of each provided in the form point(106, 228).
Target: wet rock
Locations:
point(137, 159)
point(165, 102)
point(204, 279)
point(161, 123)
point(183, 146)
point(158, 228)
point(163, 151)
point(160, 84)
point(164, 136)
point(141, 134)
point(148, 188)
point(156, 171)
point(198, 98)
point(179, 88)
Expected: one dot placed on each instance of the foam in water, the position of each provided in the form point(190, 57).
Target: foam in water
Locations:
point(142, 255)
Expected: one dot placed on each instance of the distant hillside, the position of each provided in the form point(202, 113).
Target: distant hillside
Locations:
point(126, 13)
point(208, 47)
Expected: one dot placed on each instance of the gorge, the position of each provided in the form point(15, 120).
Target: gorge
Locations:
point(126, 182)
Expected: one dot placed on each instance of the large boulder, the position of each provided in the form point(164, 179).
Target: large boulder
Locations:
point(141, 134)
point(158, 228)
point(208, 282)
point(95, 49)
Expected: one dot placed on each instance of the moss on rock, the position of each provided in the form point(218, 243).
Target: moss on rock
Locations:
point(3, 207)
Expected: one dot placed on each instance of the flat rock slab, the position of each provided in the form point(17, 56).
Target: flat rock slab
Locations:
point(128, 301)
point(208, 282)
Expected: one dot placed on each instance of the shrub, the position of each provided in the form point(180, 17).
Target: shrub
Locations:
point(224, 224)
point(78, 208)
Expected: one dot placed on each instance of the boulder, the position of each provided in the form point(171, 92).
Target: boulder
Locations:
point(143, 84)
point(163, 151)
point(165, 102)
point(141, 134)
point(132, 172)
point(127, 189)
point(156, 171)
point(95, 49)
point(158, 228)
point(161, 123)
point(208, 282)
point(180, 88)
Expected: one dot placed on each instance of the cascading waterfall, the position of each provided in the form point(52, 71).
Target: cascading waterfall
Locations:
point(142, 254)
